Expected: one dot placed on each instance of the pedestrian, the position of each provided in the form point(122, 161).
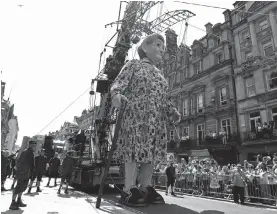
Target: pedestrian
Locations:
point(40, 166)
point(171, 176)
point(142, 137)
point(239, 180)
point(9, 165)
point(24, 168)
point(54, 165)
point(80, 142)
point(14, 170)
point(12, 162)
point(4, 168)
point(67, 168)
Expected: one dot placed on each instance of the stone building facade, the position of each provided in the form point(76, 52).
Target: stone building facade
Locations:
point(85, 120)
point(200, 80)
point(255, 38)
point(9, 123)
point(4, 115)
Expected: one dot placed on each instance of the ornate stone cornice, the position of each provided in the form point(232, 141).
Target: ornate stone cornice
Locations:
point(197, 88)
point(257, 62)
point(272, 95)
point(220, 78)
point(208, 71)
point(257, 6)
point(244, 21)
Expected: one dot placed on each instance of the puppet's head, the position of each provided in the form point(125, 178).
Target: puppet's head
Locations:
point(152, 47)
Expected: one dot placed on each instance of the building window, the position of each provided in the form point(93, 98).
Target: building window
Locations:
point(186, 73)
point(255, 118)
point(271, 78)
point(218, 58)
point(191, 106)
point(226, 126)
point(186, 131)
point(211, 43)
point(197, 67)
point(245, 35)
point(274, 115)
point(223, 96)
point(218, 41)
point(185, 107)
point(200, 133)
point(171, 134)
point(200, 103)
point(182, 60)
point(268, 49)
point(248, 56)
point(263, 24)
point(178, 106)
point(250, 86)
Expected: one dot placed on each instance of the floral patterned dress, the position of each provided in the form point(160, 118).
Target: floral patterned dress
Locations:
point(142, 137)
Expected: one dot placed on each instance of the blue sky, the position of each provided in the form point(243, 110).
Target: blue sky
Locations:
point(50, 51)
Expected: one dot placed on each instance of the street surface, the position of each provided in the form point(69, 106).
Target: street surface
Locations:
point(195, 205)
point(49, 202)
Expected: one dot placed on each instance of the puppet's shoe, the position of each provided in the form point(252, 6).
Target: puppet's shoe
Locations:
point(132, 199)
point(152, 197)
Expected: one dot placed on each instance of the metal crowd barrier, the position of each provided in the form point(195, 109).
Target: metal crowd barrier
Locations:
point(219, 186)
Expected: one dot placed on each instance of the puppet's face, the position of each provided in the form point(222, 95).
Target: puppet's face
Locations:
point(155, 51)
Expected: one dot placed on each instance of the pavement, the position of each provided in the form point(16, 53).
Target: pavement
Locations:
point(49, 202)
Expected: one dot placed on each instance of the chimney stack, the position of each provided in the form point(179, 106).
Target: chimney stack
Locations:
point(171, 42)
point(208, 27)
point(227, 15)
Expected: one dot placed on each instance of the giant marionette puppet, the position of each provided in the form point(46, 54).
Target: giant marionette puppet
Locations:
point(142, 138)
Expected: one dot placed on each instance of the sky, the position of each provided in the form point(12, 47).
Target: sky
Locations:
point(50, 51)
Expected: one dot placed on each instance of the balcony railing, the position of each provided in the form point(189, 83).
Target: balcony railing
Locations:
point(265, 134)
point(194, 143)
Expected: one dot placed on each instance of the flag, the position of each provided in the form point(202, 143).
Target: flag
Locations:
point(10, 112)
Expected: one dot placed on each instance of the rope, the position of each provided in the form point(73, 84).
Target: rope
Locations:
point(63, 110)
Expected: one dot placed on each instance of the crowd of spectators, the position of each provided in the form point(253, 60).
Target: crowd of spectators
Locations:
point(256, 181)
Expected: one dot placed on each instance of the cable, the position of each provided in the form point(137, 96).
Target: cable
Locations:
point(215, 7)
point(200, 28)
point(202, 5)
point(64, 110)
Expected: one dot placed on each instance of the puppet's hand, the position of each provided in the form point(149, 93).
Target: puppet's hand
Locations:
point(117, 100)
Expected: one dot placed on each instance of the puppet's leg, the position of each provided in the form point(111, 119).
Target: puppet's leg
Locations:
point(131, 196)
point(130, 176)
point(145, 177)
